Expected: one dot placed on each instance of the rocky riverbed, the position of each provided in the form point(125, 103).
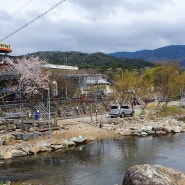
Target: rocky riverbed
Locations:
point(88, 128)
point(20, 139)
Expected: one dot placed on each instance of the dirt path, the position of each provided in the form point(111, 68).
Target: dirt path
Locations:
point(83, 126)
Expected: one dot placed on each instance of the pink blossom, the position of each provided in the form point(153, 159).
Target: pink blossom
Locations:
point(32, 77)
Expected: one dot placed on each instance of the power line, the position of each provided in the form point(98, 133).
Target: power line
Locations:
point(16, 12)
point(60, 2)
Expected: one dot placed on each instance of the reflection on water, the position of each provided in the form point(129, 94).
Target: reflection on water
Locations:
point(102, 162)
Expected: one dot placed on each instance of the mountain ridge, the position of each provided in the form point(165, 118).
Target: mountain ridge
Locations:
point(166, 53)
point(96, 60)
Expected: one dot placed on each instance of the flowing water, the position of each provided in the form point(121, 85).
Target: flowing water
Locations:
point(100, 163)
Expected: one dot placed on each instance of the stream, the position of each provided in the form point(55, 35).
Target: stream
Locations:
point(103, 162)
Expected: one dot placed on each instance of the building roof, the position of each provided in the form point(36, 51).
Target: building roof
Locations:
point(64, 67)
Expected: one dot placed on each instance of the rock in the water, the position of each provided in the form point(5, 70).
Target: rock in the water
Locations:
point(176, 129)
point(148, 174)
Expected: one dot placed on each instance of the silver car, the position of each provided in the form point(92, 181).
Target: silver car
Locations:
point(114, 111)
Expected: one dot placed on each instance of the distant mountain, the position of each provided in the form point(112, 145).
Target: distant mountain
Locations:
point(168, 53)
point(97, 60)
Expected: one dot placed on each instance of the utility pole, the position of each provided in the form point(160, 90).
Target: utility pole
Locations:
point(49, 112)
point(96, 116)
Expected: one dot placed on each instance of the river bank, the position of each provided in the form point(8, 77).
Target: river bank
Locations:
point(100, 162)
point(94, 127)
point(90, 127)
point(102, 127)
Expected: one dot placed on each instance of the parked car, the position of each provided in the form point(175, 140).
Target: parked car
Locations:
point(121, 111)
point(114, 111)
point(125, 110)
point(152, 99)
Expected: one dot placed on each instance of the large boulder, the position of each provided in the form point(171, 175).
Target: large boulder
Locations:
point(148, 174)
point(177, 129)
point(8, 152)
point(41, 146)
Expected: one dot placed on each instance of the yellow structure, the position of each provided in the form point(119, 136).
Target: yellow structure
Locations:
point(5, 48)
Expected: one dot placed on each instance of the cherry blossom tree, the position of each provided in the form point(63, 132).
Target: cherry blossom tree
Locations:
point(33, 79)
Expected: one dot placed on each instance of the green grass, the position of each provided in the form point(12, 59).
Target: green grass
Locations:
point(171, 111)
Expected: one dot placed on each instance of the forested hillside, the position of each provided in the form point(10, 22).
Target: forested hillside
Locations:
point(168, 53)
point(99, 60)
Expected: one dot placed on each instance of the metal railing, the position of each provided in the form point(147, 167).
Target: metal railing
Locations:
point(9, 75)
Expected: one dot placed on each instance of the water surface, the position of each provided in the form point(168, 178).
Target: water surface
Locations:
point(103, 162)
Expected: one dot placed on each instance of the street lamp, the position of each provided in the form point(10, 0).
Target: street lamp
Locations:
point(55, 89)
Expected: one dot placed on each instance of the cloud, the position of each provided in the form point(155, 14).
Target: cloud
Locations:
point(93, 26)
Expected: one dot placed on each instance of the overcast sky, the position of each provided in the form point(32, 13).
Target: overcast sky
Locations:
point(92, 25)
